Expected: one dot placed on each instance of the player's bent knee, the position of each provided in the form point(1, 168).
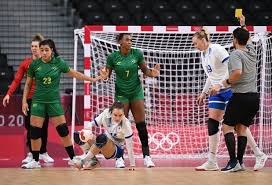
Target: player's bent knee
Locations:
point(213, 126)
point(101, 140)
point(77, 139)
point(35, 132)
point(62, 130)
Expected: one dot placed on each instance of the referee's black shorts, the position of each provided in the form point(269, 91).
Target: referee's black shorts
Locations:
point(241, 109)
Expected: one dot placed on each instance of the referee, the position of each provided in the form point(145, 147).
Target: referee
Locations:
point(244, 103)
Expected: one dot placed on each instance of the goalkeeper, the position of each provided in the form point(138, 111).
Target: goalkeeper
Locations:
point(128, 89)
point(215, 64)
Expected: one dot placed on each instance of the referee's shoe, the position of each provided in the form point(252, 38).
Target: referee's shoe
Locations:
point(232, 166)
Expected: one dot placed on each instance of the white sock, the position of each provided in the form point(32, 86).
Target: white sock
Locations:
point(251, 142)
point(213, 146)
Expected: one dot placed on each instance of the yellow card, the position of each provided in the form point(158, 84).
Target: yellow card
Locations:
point(238, 12)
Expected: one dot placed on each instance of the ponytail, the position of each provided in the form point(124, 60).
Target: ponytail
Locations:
point(203, 33)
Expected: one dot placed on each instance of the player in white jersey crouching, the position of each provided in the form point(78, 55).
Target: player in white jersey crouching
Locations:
point(111, 143)
point(215, 60)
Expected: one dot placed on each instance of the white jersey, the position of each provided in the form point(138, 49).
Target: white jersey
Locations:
point(116, 132)
point(214, 63)
point(120, 134)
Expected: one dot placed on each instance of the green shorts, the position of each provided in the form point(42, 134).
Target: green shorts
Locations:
point(43, 109)
point(125, 98)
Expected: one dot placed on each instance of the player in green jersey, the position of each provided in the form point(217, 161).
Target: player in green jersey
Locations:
point(46, 99)
point(128, 89)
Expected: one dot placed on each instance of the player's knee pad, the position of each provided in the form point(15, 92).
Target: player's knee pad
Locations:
point(142, 132)
point(35, 132)
point(62, 130)
point(213, 126)
point(77, 139)
point(101, 140)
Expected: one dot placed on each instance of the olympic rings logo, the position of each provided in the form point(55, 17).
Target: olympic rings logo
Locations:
point(159, 140)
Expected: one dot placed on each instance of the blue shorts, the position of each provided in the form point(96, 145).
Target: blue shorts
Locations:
point(220, 100)
point(118, 152)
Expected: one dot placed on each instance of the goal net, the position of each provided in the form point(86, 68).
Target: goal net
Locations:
point(177, 125)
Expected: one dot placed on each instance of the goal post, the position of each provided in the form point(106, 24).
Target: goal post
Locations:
point(176, 125)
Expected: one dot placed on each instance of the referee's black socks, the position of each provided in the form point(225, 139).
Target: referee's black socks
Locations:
point(241, 147)
point(230, 143)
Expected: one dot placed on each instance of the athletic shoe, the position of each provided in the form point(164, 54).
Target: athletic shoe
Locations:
point(208, 166)
point(148, 162)
point(232, 167)
point(243, 167)
point(120, 163)
point(46, 158)
point(32, 165)
point(29, 158)
point(260, 162)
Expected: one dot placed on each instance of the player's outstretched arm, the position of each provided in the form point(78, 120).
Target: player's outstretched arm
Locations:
point(154, 72)
point(129, 146)
point(81, 76)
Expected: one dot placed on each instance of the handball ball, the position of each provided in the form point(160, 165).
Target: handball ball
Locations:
point(85, 135)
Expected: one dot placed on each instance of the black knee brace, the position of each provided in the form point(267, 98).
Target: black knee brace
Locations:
point(35, 132)
point(101, 140)
point(77, 139)
point(212, 126)
point(62, 130)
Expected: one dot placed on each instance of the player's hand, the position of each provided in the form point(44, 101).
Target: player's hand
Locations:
point(156, 70)
point(25, 108)
point(104, 73)
point(200, 99)
point(6, 100)
point(242, 20)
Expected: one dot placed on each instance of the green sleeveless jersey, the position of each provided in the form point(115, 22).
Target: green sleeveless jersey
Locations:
point(126, 69)
point(47, 78)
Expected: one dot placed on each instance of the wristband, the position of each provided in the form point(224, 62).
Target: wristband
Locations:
point(228, 82)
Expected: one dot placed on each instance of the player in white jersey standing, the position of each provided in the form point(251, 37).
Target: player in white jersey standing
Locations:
point(215, 64)
point(118, 134)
